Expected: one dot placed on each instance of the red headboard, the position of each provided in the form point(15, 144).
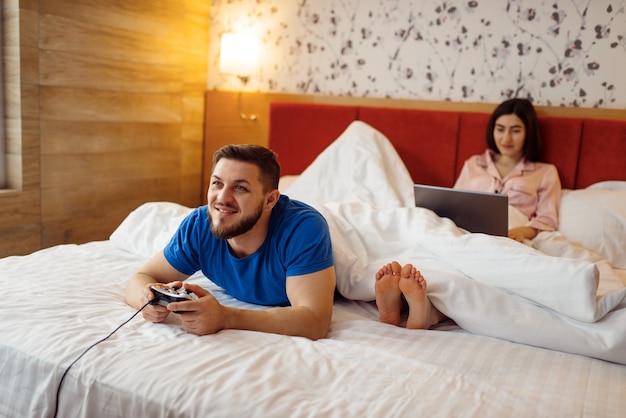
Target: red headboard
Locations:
point(434, 144)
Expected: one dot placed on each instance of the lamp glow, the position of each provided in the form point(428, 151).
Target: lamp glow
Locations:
point(239, 54)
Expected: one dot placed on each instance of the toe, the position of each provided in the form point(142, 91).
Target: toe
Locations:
point(406, 271)
point(396, 269)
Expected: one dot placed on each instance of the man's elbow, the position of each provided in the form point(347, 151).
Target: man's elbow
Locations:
point(315, 335)
point(319, 328)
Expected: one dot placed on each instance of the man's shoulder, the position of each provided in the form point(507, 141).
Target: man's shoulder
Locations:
point(293, 212)
point(198, 213)
point(197, 218)
point(296, 207)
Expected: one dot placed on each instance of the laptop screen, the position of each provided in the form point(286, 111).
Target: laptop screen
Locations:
point(473, 211)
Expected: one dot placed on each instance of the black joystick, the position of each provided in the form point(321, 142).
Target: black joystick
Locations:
point(164, 295)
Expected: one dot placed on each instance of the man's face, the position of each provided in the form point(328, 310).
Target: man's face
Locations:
point(235, 198)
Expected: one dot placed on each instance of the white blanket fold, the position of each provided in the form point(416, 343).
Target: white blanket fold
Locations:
point(417, 235)
point(488, 285)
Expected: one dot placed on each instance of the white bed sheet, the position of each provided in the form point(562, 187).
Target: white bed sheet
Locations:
point(65, 298)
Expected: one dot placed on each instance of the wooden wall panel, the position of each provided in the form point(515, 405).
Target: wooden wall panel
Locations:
point(107, 113)
point(80, 213)
point(20, 239)
point(19, 209)
point(72, 104)
point(67, 70)
point(101, 137)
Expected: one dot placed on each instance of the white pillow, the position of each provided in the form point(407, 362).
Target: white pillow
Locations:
point(285, 182)
point(596, 217)
point(609, 185)
point(361, 165)
point(147, 229)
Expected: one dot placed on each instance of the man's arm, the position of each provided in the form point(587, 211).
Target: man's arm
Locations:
point(157, 269)
point(311, 297)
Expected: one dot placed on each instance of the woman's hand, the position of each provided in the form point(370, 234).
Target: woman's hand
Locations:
point(521, 233)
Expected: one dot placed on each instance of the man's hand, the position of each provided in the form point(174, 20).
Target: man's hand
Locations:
point(202, 316)
point(156, 313)
point(156, 271)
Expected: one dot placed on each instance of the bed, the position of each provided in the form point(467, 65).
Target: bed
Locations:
point(555, 346)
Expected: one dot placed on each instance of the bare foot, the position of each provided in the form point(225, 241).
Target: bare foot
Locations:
point(388, 294)
point(422, 314)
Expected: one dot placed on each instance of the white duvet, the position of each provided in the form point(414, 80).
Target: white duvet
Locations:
point(559, 296)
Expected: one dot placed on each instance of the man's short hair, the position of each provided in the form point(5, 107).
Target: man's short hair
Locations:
point(262, 157)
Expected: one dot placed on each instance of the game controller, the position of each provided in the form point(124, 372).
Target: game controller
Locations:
point(164, 295)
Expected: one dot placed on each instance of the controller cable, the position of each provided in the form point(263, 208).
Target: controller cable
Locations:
point(56, 406)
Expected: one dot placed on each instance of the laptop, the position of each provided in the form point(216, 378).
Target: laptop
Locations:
point(473, 211)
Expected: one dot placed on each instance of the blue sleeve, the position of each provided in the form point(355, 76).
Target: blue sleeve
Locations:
point(183, 249)
point(309, 248)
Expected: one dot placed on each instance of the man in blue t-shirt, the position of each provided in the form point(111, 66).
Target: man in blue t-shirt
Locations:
point(259, 246)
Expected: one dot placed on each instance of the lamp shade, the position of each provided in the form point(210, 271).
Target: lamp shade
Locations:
point(239, 54)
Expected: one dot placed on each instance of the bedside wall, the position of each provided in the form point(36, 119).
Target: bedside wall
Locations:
point(105, 111)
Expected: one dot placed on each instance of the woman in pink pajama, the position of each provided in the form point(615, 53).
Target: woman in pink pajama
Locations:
point(511, 166)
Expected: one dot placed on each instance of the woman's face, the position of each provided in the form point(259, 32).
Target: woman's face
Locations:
point(509, 133)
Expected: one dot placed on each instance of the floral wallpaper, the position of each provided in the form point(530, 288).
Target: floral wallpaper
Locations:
point(554, 52)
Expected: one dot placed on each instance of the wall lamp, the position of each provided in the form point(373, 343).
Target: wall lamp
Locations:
point(239, 55)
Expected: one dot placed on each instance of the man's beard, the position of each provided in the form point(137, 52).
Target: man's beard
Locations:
point(242, 227)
